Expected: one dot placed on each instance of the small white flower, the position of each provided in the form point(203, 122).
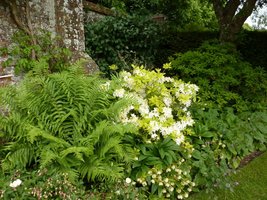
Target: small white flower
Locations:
point(128, 180)
point(119, 93)
point(167, 101)
point(118, 192)
point(167, 112)
point(15, 183)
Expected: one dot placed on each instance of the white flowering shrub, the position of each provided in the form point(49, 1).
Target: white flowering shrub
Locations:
point(161, 108)
point(160, 111)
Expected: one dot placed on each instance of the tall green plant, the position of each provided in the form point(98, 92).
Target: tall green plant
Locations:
point(68, 123)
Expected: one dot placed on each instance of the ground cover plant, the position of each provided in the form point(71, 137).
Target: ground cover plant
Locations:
point(250, 182)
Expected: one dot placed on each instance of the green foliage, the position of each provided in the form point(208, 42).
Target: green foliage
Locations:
point(250, 182)
point(223, 77)
point(66, 122)
point(221, 140)
point(41, 57)
point(257, 55)
point(195, 14)
point(122, 41)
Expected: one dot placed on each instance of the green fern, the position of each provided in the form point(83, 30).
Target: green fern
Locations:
point(67, 123)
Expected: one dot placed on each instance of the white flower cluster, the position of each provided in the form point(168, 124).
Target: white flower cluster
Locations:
point(161, 103)
point(172, 180)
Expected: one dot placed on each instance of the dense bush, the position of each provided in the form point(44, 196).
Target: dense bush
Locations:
point(252, 45)
point(122, 41)
point(223, 77)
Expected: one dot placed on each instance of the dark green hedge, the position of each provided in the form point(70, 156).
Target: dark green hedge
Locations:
point(253, 47)
point(251, 44)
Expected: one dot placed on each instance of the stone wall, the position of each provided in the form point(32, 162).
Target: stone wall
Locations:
point(61, 17)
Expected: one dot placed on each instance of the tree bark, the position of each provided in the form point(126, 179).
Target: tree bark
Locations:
point(231, 17)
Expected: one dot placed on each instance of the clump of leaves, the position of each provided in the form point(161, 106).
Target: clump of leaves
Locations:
point(45, 55)
point(122, 41)
point(221, 139)
point(223, 77)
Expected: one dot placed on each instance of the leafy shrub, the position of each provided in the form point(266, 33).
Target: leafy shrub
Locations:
point(223, 77)
point(43, 56)
point(221, 140)
point(67, 123)
point(122, 41)
point(161, 114)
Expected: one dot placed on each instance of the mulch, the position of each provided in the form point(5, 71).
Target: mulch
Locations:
point(249, 158)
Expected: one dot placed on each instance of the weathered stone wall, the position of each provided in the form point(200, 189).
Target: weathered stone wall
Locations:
point(69, 23)
point(7, 26)
point(61, 17)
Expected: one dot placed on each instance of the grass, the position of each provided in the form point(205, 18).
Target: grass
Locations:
point(252, 184)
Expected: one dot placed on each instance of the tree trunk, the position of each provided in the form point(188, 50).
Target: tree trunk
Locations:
point(231, 17)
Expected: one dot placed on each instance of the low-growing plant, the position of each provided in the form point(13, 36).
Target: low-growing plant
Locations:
point(44, 56)
point(39, 184)
point(221, 140)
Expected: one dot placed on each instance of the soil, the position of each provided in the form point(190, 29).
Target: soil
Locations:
point(249, 158)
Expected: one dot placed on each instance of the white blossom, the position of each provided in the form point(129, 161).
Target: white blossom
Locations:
point(167, 112)
point(128, 180)
point(105, 86)
point(179, 139)
point(119, 93)
point(15, 183)
point(167, 101)
point(144, 109)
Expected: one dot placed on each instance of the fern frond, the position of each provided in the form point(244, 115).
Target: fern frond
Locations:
point(19, 156)
point(95, 168)
point(35, 132)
